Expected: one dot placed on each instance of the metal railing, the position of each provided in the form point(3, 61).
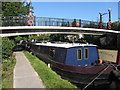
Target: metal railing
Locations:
point(45, 21)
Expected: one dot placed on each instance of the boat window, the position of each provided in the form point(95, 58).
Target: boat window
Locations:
point(85, 53)
point(79, 54)
point(52, 52)
point(39, 48)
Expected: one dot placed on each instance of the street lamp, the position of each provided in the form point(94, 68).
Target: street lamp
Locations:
point(100, 16)
point(109, 10)
point(30, 13)
point(30, 8)
point(109, 22)
point(100, 23)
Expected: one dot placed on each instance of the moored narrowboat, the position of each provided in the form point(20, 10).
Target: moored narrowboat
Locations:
point(76, 62)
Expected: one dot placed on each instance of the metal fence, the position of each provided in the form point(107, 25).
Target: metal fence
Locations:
point(45, 21)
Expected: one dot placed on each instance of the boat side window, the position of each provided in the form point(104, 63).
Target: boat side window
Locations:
point(85, 53)
point(79, 54)
point(39, 48)
point(52, 52)
point(34, 47)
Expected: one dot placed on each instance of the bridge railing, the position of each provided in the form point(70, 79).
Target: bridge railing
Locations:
point(45, 21)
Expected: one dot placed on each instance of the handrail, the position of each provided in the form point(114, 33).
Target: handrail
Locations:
point(47, 21)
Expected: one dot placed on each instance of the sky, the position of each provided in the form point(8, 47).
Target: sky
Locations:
point(75, 10)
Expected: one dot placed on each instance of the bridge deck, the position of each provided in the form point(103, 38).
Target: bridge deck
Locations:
point(27, 30)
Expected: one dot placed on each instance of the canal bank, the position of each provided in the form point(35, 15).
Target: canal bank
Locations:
point(48, 76)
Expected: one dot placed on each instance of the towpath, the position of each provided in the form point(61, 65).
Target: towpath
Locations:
point(24, 75)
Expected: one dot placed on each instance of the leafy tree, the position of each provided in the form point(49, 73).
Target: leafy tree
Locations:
point(14, 8)
point(91, 25)
point(115, 25)
point(92, 39)
point(18, 38)
point(119, 26)
point(39, 37)
point(31, 37)
point(7, 46)
point(44, 37)
point(57, 37)
point(64, 37)
point(73, 38)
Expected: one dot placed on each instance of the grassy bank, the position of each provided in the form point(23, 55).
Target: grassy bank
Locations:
point(7, 72)
point(49, 77)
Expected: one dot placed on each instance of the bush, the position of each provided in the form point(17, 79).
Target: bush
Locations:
point(7, 72)
point(7, 46)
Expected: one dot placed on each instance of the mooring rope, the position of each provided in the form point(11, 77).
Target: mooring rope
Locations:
point(114, 67)
point(95, 78)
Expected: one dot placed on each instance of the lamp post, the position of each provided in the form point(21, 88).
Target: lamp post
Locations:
point(100, 23)
point(109, 10)
point(109, 21)
point(109, 24)
point(30, 8)
point(30, 13)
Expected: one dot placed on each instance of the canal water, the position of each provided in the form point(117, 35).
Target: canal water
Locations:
point(112, 86)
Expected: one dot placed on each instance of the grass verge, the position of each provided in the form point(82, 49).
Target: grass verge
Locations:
point(7, 72)
point(49, 77)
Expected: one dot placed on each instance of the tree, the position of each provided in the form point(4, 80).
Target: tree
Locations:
point(91, 25)
point(7, 46)
point(73, 38)
point(64, 37)
point(119, 26)
point(14, 9)
point(41, 37)
point(57, 37)
point(115, 25)
point(92, 39)
point(18, 38)
point(44, 37)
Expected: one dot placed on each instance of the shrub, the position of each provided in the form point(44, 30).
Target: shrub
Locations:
point(7, 46)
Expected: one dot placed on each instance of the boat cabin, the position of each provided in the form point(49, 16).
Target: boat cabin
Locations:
point(67, 53)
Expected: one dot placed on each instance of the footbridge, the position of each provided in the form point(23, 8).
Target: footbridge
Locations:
point(17, 25)
point(29, 30)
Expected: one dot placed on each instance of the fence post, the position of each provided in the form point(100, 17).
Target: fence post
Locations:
point(62, 22)
point(68, 23)
point(74, 23)
point(80, 22)
point(34, 21)
point(57, 23)
point(49, 21)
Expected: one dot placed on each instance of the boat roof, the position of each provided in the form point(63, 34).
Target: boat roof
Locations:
point(64, 45)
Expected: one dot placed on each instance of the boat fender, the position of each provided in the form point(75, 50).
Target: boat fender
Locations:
point(100, 61)
point(49, 65)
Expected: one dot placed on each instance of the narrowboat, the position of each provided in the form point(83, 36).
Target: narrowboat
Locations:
point(76, 62)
